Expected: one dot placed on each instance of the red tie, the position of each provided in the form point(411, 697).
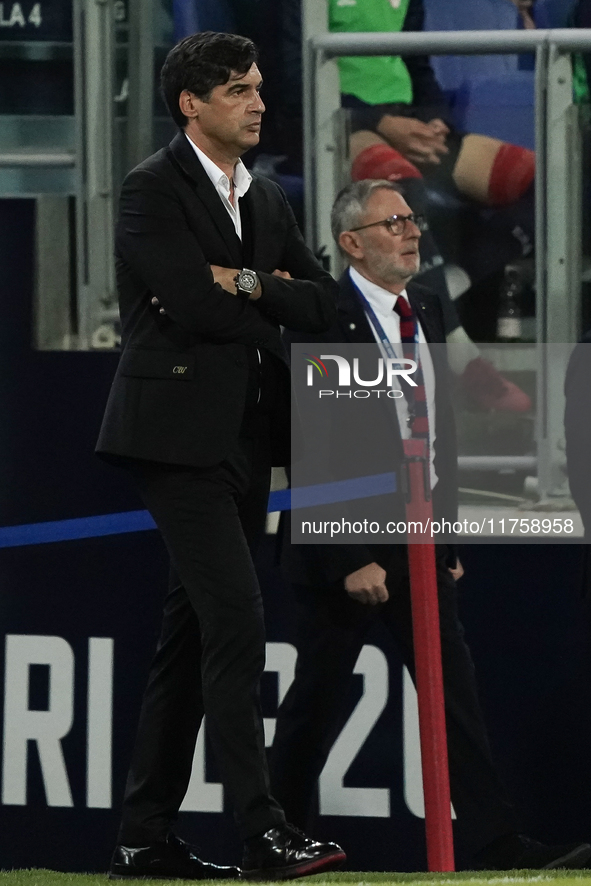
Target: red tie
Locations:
point(416, 397)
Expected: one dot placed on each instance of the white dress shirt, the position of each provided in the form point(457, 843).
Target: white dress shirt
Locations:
point(383, 303)
point(221, 182)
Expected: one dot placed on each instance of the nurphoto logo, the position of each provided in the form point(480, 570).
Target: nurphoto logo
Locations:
point(388, 370)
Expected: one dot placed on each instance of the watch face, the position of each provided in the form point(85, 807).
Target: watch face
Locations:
point(247, 281)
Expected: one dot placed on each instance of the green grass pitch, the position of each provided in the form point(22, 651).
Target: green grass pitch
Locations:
point(362, 878)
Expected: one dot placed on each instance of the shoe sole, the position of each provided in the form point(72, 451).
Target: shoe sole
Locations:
point(579, 856)
point(327, 863)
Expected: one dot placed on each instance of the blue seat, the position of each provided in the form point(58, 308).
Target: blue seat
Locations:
point(477, 15)
point(202, 15)
point(501, 108)
point(489, 94)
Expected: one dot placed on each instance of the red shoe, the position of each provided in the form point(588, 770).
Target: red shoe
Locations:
point(488, 389)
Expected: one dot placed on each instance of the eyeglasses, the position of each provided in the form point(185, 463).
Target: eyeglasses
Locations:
point(396, 224)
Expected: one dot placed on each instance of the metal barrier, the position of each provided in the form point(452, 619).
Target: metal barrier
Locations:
point(94, 42)
point(72, 160)
point(558, 177)
point(64, 160)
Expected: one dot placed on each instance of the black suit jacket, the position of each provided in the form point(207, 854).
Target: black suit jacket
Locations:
point(179, 391)
point(309, 564)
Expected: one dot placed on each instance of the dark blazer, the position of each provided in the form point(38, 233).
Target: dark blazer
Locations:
point(179, 391)
point(307, 564)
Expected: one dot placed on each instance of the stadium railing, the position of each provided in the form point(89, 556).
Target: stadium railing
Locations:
point(558, 180)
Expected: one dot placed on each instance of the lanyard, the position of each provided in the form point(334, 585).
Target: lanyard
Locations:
point(389, 349)
point(384, 340)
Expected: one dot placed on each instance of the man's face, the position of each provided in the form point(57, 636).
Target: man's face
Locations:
point(385, 258)
point(231, 119)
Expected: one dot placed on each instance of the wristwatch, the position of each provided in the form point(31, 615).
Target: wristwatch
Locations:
point(246, 281)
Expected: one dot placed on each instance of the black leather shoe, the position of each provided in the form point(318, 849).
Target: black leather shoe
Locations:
point(284, 853)
point(518, 852)
point(172, 859)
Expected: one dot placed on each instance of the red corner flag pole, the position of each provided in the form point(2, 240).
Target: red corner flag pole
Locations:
point(427, 649)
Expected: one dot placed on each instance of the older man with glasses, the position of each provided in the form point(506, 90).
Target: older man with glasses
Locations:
point(342, 590)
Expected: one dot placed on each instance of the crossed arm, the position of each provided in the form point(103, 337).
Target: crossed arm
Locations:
point(225, 278)
point(157, 244)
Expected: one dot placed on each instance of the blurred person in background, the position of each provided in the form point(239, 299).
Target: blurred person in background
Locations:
point(398, 104)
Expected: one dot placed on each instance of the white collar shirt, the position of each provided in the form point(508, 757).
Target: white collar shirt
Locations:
point(383, 303)
point(221, 182)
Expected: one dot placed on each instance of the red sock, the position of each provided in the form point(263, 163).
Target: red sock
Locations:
point(512, 173)
point(382, 161)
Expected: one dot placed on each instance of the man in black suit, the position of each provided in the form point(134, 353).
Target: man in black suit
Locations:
point(341, 590)
point(209, 263)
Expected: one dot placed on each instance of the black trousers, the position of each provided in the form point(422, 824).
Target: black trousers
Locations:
point(331, 630)
point(211, 651)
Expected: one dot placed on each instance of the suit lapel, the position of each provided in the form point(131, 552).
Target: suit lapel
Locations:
point(421, 309)
point(354, 323)
point(354, 327)
point(248, 216)
point(352, 319)
point(187, 159)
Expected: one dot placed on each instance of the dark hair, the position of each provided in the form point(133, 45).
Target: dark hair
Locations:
point(201, 62)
